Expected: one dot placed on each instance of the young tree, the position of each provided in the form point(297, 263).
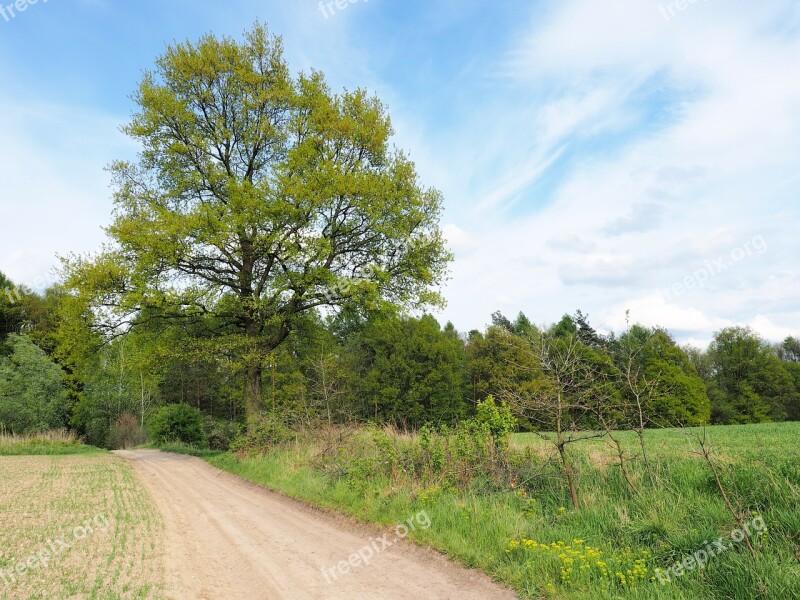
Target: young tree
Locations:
point(564, 400)
point(658, 385)
point(660, 379)
point(32, 393)
point(256, 198)
point(328, 382)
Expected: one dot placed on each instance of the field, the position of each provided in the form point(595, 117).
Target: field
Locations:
point(530, 538)
point(74, 523)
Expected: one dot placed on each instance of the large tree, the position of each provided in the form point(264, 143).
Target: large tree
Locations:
point(256, 197)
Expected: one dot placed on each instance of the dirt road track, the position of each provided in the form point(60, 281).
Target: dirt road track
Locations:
point(229, 539)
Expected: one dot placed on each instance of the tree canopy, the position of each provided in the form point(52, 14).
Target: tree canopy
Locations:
point(33, 397)
point(257, 197)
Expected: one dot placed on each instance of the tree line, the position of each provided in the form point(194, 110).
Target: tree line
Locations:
point(383, 367)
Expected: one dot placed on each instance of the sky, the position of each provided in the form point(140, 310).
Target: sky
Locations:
point(607, 156)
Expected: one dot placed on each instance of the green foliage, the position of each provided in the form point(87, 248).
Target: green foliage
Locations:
point(789, 350)
point(750, 383)
point(11, 311)
point(32, 392)
point(221, 433)
point(494, 358)
point(676, 394)
point(177, 423)
point(263, 432)
point(565, 328)
point(409, 371)
point(792, 403)
point(90, 421)
point(451, 457)
point(497, 417)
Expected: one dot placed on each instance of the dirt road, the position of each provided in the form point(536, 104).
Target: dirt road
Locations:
point(229, 539)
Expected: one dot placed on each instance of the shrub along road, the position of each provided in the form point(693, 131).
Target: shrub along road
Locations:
point(227, 538)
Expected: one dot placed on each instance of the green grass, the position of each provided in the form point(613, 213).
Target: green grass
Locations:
point(674, 514)
point(179, 448)
point(51, 443)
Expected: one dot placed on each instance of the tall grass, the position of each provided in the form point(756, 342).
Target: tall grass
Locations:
point(58, 441)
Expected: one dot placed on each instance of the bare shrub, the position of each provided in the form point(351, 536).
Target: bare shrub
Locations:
point(126, 432)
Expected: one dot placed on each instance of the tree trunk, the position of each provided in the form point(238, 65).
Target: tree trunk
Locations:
point(253, 398)
point(573, 489)
point(643, 446)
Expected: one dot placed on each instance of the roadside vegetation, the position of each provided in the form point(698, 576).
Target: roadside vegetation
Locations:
point(503, 506)
point(46, 442)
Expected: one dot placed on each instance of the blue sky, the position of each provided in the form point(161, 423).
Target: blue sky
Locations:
point(607, 156)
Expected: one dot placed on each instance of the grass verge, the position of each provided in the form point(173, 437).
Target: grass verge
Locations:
point(46, 443)
point(528, 537)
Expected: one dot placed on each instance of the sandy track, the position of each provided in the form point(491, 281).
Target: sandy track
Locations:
point(229, 539)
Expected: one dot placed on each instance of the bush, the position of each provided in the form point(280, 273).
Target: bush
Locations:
point(497, 418)
point(126, 433)
point(449, 458)
point(96, 432)
point(220, 433)
point(177, 423)
point(262, 433)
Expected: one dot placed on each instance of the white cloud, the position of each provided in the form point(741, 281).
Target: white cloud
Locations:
point(654, 311)
point(709, 168)
point(772, 331)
